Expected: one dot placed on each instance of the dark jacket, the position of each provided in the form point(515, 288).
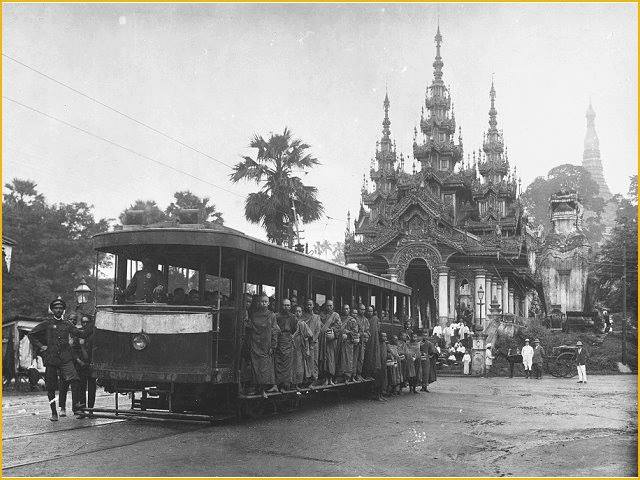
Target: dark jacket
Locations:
point(581, 356)
point(55, 334)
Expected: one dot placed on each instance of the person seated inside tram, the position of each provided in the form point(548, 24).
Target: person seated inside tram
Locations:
point(143, 285)
point(194, 297)
point(179, 297)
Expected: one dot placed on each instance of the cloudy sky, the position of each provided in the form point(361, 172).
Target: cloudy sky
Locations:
point(212, 76)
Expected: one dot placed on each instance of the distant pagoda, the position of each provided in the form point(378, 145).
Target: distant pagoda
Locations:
point(591, 156)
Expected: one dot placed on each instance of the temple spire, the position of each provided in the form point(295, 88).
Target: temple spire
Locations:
point(591, 156)
point(438, 63)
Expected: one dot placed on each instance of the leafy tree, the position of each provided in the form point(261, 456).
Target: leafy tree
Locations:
point(53, 248)
point(186, 199)
point(536, 198)
point(338, 253)
point(153, 212)
point(608, 269)
point(272, 205)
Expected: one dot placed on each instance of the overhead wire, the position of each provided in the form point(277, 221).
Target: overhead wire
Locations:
point(135, 120)
point(123, 147)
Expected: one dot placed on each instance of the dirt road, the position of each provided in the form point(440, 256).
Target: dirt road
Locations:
point(464, 427)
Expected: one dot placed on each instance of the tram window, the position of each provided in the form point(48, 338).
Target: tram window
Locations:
point(362, 294)
point(263, 274)
point(321, 290)
point(294, 285)
point(343, 294)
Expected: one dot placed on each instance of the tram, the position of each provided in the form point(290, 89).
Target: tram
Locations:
point(185, 360)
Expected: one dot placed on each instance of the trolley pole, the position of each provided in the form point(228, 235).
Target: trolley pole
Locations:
point(624, 295)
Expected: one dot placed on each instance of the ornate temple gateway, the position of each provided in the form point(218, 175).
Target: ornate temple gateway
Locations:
point(452, 229)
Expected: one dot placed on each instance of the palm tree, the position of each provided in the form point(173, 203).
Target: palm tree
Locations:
point(272, 205)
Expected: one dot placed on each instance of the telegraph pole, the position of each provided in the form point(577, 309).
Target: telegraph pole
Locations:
point(624, 295)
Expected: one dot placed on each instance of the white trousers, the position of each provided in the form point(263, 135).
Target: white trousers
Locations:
point(527, 362)
point(582, 373)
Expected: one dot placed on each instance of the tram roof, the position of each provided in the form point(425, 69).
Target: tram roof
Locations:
point(136, 242)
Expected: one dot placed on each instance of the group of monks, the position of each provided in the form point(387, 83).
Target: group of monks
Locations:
point(297, 348)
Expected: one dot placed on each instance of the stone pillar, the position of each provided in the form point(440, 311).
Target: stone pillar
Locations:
point(499, 295)
point(443, 297)
point(527, 304)
point(488, 289)
point(511, 302)
point(478, 353)
point(479, 314)
point(494, 289)
point(452, 297)
point(505, 295)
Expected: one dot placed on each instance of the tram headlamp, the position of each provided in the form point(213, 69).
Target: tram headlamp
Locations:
point(141, 341)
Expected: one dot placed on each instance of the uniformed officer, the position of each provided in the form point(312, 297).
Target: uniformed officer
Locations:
point(52, 336)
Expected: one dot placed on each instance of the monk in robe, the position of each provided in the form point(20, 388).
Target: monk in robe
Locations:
point(402, 351)
point(349, 337)
point(328, 344)
point(413, 370)
point(315, 324)
point(284, 350)
point(302, 361)
point(394, 371)
point(360, 348)
point(374, 363)
point(381, 378)
point(262, 337)
point(429, 355)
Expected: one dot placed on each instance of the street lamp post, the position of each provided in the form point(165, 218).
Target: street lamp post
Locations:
point(83, 293)
point(479, 326)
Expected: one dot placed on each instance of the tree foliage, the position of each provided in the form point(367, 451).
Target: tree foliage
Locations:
point(153, 212)
point(272, 206)
point(183, 199)
point(186, 199)
point(53, 249)
point(609, 267)
point(537, 195)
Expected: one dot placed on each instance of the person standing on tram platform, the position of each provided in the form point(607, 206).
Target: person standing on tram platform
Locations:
point(315, 324)
point(328, 344)
point(53, 337)
point(261, 336)
point(283, 357)
point(360, 348)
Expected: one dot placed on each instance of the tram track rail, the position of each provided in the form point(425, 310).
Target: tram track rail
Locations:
point(12, 466)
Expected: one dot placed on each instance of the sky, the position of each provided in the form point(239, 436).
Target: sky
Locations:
point(214, 75)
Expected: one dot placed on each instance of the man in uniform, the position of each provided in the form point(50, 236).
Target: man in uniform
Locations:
point(53, 337)
point(287, 323)
point(315, 324)
point(144, 282)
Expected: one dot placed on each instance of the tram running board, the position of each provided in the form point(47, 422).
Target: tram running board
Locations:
point(313, 388)
point(120, 413)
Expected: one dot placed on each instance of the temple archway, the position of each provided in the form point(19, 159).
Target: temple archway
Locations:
point(418, 276)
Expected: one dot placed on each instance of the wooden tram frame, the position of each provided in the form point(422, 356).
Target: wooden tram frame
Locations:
point(203, 250)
